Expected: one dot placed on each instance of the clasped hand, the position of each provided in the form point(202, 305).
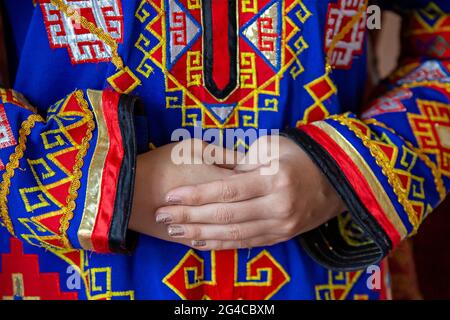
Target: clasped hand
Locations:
point(237, 206)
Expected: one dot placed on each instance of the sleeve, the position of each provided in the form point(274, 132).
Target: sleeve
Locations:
point(67, 179)
point(390, 164)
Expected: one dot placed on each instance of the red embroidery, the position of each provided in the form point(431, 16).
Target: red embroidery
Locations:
point(21, 278)
point(391, 102)
point(83, 46)
point(6, 135)
point(339, 15)
point(264, 277)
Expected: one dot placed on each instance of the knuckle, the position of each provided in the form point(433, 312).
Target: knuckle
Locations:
point(287, 208)
point(185, 215)
point(284, 179)
point(235, 233)
point(195, 232)
point(289, 228)
point(195, 196)
point(228, 193)
point(223, 215)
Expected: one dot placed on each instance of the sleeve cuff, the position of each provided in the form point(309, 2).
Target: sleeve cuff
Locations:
point(110, 181)
point(334, 245)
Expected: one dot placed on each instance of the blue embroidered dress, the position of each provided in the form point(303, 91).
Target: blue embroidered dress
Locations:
point(68, 151)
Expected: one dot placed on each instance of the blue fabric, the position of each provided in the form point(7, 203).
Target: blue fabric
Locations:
point(45, 75)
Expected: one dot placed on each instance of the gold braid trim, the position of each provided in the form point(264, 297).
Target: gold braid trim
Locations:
point(76, 173)
point(386, 168)
point(99, 32)
point(12, 165)
point(437, 173)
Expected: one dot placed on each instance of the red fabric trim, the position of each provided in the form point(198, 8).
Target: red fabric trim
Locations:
point(221, 55)
point(355, 177)
point(110, 102)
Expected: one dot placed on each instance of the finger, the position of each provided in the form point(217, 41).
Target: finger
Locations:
point(239, 187)
point(235, 232)
point(263, 241)
point(221, 157)
point(217, 213)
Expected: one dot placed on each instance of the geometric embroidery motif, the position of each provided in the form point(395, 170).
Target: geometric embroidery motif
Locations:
point(6, 135)
point(180, 40)
point(21, 278)
point(432, 130)
point(54, 175)
point(428, 71)
point(339, 286)
point(191, 280)
point(263, 31)
point(429, 26)
point(320, 90)
point(83, 45)
point(339, 15)
point(389, 103)
point(184, 30)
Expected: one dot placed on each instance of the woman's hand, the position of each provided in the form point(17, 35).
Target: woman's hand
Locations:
point(157, 173)
point(248, 209)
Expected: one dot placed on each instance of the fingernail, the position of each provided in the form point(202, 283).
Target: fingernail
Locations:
point(175, 231)
point(164, 218)
point(198, 243)
point(174, 200)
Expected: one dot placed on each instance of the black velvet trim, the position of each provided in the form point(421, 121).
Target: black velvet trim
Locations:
point(208, 52)
point(122, 240)
point(326, 244)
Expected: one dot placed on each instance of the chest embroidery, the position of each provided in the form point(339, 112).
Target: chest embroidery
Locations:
point(222, 60)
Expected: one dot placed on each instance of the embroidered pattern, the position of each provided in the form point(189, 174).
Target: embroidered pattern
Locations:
point(391, 102)
point(79, 25)
point(12, 165)
point(21, 278)
point(264, 278)
point(344, 34)
point(339, 286)
point(53, 201)
point(320, 90)
point(432, 130)
point(216, 87)
point(384, 154)
point(6, 136)
point(427, 32)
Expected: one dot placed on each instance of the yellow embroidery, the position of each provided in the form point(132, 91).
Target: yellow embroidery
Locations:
point(386, 169)
point(437, 174)
point(77, 173)
point(13, 164)
point(345, 30)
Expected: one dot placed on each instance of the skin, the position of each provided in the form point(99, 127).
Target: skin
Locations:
point(236, 207)
point(156, 172)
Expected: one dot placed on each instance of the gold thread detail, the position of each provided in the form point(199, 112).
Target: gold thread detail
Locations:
point(99, 32)
point(12, 165)
point(386, 169)
point(345, 30)
point(437, 173)
point(76, 173)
